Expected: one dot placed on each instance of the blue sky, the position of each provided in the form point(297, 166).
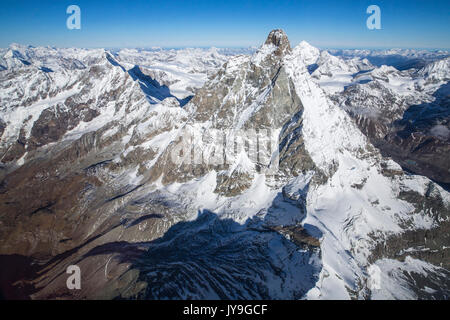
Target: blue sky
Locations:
point(225, 23)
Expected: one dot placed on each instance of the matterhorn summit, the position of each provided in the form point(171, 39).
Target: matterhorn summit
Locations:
point(280, 40)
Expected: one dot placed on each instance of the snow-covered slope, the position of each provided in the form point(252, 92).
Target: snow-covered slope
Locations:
point(437, 71)
point(404, 113)
point(334, 73)
point(348, 216)
point(35, 79)
point(182, 70)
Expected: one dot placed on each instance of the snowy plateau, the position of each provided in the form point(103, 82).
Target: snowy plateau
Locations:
point(353, 201)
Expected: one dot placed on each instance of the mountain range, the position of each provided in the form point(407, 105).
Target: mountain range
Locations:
point(276, 173)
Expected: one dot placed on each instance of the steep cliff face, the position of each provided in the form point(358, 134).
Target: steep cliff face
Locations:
point(261, 186)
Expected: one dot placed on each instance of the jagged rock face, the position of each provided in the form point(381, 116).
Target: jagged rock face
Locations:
point(245, 85)
point(247, 93)
point(54, 123)
point(100, 186)
point(280, 40)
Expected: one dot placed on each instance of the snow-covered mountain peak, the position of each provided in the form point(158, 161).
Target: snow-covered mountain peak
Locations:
point(276, 46)
point(309, 54)
point(19, 47)
point(279, 39)
point(437, 70)
point(330, 64)
point(11, 53)
point(307, 46)
point(386, 69)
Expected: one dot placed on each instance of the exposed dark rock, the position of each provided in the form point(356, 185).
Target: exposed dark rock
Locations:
point(279, 39)
point(234, 184)
point(2, 127)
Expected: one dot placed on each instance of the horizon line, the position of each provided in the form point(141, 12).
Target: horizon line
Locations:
point(180, 47)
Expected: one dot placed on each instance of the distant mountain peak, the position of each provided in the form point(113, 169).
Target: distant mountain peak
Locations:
point(309, 54)
point(306, 44)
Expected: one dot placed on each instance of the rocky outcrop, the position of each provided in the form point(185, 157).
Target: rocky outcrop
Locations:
point(280, 40)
